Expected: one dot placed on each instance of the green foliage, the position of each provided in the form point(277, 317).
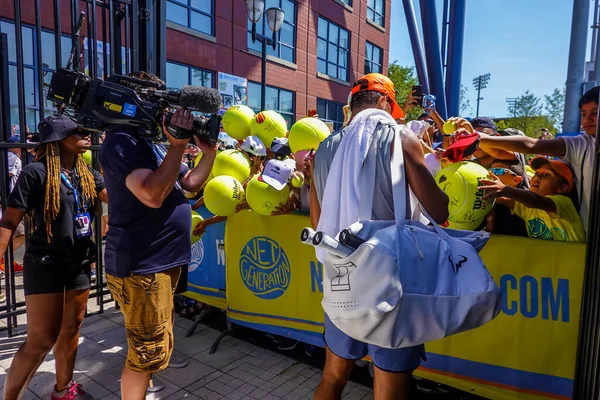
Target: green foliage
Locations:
point(526, 105)
point(555, 106)
point(530, 125)
point(404, 78)
point(465, 104)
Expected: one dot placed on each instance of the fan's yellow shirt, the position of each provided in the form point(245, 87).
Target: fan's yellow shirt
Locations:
point(564, 225)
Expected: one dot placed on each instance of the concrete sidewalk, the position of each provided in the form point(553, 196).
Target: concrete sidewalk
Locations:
point(238, 370)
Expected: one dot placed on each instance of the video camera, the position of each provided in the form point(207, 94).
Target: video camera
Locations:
point(99, 104)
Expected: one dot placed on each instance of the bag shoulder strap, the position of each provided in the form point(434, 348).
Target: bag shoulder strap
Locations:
point(397, 171)
point(365, 206)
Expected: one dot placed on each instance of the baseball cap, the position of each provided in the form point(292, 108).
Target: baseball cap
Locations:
point(278, 173)
point(254, 146)
point(464, 146)
point(510, 132)
point(281, 146)
point(15, 139)
point(560, 167)
point(56, 128)
point(382, 84)
point(484, 122)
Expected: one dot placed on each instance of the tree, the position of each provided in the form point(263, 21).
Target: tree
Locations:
point(529, 125)
point(465, 104)
point(554, 106)
point(526, 105)
point(404, 79)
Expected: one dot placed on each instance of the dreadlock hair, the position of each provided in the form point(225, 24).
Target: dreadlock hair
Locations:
point(50, 155)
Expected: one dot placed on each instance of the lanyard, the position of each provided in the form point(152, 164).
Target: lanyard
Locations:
point(64, 178)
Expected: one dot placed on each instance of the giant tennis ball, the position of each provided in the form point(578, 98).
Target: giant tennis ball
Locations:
point(196, 219)
point(263, 198)
point(233, 163)
point(460, 182)
point(307, 134)
point(222, 195)
point(87, 157)
point(236, 121)
point(268, 125)
point(466, 226)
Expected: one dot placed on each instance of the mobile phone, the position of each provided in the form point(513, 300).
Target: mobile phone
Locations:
point(418, 92)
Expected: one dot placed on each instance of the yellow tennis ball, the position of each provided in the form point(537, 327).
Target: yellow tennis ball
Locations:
point(529, 171)
point(268, 125)
point(87, 157)
point(222, 195)
point(297, 181)
point(236, 121)
point(449, 127)
point(307, 134)
point(196, 219)
point(263, 198)
point(466, 226)
point(233, 163)
point(460, 181)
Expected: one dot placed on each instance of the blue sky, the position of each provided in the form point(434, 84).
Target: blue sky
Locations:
point(523, 44)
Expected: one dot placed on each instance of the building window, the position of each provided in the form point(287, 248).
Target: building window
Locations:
point(373, 59)
point(331, 111)
point(277, 99)
point(333, 50)
point(286, 46)
point(347, 2)
point(376, 11)
point(30, 73)
point(196, 14)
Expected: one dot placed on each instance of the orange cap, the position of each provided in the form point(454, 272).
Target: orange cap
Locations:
point(382, 84)
point(560, 167)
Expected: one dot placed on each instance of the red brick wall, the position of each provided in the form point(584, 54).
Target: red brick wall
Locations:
point(229, 54)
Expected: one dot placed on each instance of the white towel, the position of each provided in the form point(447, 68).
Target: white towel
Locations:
point(341, 198)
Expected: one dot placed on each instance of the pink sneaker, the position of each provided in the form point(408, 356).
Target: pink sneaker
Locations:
point(75, 392)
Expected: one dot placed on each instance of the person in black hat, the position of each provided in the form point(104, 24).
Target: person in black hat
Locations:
point(59, 193)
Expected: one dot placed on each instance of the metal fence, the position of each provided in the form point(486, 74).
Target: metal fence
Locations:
point(118, 36)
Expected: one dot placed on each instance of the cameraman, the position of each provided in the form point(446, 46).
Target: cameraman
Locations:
point(148, 241)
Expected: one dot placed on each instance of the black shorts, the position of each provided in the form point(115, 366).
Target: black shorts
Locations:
point(40, 278)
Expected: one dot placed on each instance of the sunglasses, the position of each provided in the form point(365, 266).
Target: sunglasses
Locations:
point(501, 171)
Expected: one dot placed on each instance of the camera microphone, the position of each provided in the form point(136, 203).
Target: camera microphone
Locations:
point(196, 98)
point(206, 100)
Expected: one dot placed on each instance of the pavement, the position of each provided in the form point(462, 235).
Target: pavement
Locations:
point(238, 370)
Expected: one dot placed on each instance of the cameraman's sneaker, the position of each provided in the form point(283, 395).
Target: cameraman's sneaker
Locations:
point(177, 362)
point(155, 385)
point(75, 392)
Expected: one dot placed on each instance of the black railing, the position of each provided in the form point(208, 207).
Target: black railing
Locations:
point(120, 25)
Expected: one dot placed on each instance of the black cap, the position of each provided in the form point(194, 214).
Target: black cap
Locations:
point(56, 128)
point(281, 146)
point(483, 122)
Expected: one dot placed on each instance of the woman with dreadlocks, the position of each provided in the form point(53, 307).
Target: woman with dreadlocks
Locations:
point(59, 193)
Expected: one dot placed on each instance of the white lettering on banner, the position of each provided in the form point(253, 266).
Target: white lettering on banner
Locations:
point(220, 245)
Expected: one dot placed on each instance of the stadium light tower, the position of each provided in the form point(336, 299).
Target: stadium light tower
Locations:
point(479, 83)
point(512, 105)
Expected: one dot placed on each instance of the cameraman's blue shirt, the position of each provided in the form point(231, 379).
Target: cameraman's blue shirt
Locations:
point(140, 239)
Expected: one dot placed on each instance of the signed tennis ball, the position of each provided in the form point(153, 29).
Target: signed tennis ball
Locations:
point(307, 134)
point(449, 127)
point(263, 198)
point(236, 121)
point(268, 125)
point(222, 195)
point(297, 181)
point(196, 219)
point(87, 157)
point(467, 226)
point(232, 163)
point(460, 182)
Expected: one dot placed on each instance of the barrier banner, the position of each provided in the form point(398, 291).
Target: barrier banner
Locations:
point(206, 273)
point(273, 280)
point(527, 352)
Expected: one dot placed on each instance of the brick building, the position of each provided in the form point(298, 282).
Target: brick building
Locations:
point(324, 46)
